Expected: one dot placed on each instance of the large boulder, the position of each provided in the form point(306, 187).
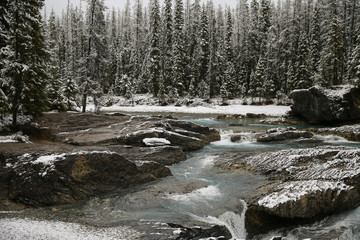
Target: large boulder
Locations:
point(314, 182)
point(69, 177)
point(318, 105)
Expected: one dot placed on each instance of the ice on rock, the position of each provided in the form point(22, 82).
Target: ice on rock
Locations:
point(156, 142)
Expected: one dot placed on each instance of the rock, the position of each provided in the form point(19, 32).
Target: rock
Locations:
point(316, 182)
point(185, 142)
point(38, 180)
point(244, 137)
point(284, 120)
point(230, 117)
point(283, 134)
point(307, 199)
point(165, 155)
point(196, 233)
point(253, 115)
point(318, 105)
point(350, 132)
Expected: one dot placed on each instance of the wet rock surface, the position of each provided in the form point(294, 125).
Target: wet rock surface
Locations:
point(197, 233)
point(90, 154)
point(58, 179)
point(281, 134)
point(350, 132)
point(318, 105)
point(309, 184)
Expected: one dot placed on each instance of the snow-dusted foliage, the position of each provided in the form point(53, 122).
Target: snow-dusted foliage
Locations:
point(173, 49)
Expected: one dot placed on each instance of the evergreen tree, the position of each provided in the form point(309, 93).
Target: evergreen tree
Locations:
point(167, 48)
point(26, 62)
point(303, 71)
point(96, 53)
point(4, 53)
point(257, 79)
point(155, 71)
point(315, 41)
point(354, 68)
point(332, 56)
point(178, 50)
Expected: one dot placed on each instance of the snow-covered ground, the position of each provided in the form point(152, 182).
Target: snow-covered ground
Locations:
point(270, 110)
point(145, 103)
point(19, 229)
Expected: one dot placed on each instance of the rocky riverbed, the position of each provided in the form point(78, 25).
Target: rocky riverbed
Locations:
point(72, 156)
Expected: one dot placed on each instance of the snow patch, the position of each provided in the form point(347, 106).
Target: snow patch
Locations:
point(156, 141)
point(15, 138)
point(18, 229)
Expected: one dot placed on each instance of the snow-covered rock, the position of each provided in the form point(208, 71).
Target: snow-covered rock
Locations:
point(315, 182)
point(350, 132)
point(318, 105)
point(156, 142)
point(309, 198)
point(280, 134)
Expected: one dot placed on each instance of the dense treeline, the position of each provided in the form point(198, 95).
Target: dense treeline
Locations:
point(173, 49)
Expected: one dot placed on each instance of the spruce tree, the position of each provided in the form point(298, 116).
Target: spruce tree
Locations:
point(315, 41)
point(257, 79)
point(167, 47)
point(354, 68)
point(4, 53)
point(332, 57)
point(178, 50)
point(26, 62)
point(155, 68)
point(303, 71)
point(95, 57)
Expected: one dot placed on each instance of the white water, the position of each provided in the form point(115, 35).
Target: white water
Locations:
point(235, 223)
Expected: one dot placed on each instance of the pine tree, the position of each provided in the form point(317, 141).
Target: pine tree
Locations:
point(167, 47)
point(96, 53)
point(26, 62)
point(4, 53)
point(178, 49)
point(315, 41)
point(155, 67)
point(332, 57)
point(303, 71)
point(55, 98)
point(354, 68)
point(257, 79)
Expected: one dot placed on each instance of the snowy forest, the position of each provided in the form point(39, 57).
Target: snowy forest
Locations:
point(173, 49)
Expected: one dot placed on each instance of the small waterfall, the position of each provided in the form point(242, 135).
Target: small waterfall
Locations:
point(233, 222)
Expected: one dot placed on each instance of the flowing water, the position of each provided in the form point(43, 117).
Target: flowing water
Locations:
point(200, 193)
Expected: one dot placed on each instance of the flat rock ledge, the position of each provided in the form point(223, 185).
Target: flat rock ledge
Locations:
point(308, 184)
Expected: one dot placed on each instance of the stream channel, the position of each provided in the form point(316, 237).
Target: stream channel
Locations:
point(212, 195)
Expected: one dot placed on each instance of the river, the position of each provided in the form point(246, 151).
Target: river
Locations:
point(199, 193)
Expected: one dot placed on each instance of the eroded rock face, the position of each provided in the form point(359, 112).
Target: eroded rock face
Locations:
point(315, 182)
point(64, 178)
point(280, 134)
point(350, 132)
point(318, 105)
